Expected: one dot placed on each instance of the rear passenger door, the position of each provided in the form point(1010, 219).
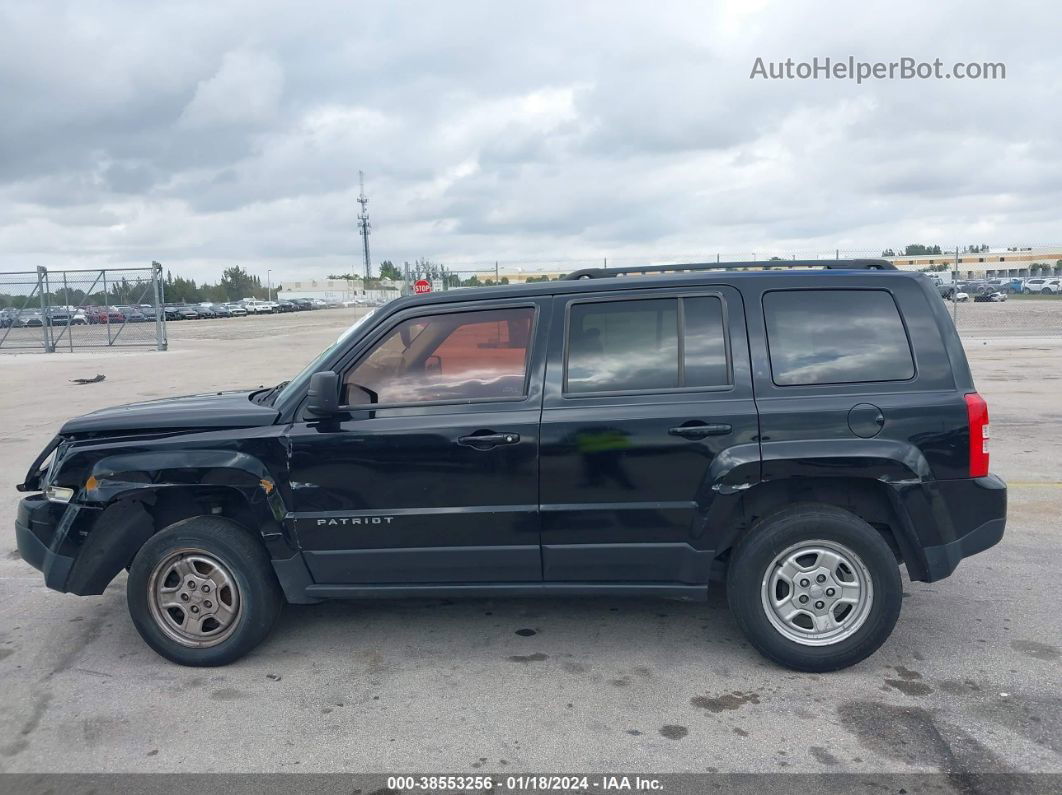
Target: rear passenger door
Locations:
point(648, 401)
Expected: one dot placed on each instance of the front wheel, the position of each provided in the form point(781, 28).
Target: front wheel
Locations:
point(814, 588)
point(202, 592)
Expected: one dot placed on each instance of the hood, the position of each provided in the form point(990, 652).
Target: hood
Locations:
point(210, 410)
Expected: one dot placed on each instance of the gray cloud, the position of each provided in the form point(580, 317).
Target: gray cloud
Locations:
point(207, 134)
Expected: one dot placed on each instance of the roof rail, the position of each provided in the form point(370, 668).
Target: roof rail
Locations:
point(829, 264)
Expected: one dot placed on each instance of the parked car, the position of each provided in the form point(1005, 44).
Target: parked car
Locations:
point(205, 310)
point(256, 307)
point(286, 306)
point(1042, 286)
point(132, 314)
point(103, 314)
point(598, 435)
point(172, 312)
point(220, 310)
point(30, 318)
point(304, 303)
point(236, 310)
point(58, 316)
point(989, 293)
point(187, 312)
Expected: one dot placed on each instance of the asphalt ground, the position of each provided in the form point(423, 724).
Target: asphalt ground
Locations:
point(969, 681)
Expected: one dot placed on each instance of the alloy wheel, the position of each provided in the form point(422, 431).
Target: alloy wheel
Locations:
point(817, 593)
point(194, 598)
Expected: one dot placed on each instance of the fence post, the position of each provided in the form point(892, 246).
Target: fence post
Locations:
point(70, 314)
point(955, 290)
point(160, 308)
point(106, 305)
point(46, 319)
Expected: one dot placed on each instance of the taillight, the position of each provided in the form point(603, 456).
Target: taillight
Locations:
point(977, 417)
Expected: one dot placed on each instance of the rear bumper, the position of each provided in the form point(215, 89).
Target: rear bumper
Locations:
point(959, 518)
point(942, 560)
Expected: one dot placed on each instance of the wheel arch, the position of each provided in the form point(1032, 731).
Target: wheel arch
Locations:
point(143, 493)
point(872, 500)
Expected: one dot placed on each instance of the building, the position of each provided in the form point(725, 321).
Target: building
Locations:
point(999, 263)
point(987, 264)
point(338, 290)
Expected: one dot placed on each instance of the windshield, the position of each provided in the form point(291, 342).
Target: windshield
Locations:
point(296, 383)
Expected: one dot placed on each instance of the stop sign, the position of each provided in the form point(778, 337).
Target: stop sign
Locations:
point(421, 286)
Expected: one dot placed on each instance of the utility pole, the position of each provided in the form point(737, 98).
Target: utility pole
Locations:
point(364, 226)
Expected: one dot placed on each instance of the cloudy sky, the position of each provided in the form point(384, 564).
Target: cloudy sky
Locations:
point(204, 135)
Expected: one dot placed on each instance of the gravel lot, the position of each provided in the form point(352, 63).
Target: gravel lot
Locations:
point(970, 680)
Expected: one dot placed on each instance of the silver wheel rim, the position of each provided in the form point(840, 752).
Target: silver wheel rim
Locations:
point(817, 593)
point(194, 598)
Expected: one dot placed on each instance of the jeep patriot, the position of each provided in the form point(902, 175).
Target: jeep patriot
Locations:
point(793, 431)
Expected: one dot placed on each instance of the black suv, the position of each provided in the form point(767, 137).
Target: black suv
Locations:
point(797, 433)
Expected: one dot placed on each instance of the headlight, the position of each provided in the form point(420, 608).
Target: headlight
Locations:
point(59, 494)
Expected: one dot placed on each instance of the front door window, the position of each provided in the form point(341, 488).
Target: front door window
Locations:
point(454, 356)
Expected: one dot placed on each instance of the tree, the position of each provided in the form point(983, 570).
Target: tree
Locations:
point(236, 283)
point(388, 270)
point(888, 253)
point(917, 249)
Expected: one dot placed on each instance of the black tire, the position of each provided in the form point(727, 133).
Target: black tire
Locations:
point(774, 534)
point(259, 594)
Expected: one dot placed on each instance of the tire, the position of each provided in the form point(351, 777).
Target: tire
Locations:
point(1046, 291)
point(228, 564)
point(753, 578)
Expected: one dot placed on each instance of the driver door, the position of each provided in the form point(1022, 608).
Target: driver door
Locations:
point(432, 477)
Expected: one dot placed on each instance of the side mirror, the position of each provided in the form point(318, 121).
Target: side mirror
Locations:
point(323, 394)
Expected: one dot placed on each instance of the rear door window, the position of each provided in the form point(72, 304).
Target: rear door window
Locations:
point(646, 344)
point(836, 337)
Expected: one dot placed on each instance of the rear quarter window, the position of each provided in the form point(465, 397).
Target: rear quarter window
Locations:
point(836, 337)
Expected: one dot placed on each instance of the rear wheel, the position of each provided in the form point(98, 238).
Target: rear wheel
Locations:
point(202, 592)
point(814, 588)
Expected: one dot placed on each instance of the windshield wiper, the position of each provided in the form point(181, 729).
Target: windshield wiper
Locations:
point(270, 394)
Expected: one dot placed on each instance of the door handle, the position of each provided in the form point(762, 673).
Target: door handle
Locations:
point(701, 430)
point(485, 441)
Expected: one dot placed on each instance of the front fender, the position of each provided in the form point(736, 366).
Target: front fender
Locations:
point(117, 476)
point(154, 477)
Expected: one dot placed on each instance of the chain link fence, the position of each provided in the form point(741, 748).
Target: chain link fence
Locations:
point(66, 310)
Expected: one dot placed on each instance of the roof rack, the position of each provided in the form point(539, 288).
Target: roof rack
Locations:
point(829, 264)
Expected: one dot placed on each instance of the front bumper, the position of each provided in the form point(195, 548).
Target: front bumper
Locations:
point(40, 529)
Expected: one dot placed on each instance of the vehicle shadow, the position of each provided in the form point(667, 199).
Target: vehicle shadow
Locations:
point(515, 630)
